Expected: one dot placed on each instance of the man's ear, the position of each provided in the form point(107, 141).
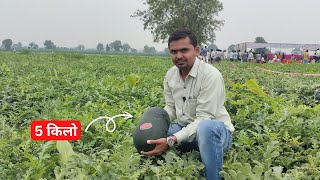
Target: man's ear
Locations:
point(197, 50)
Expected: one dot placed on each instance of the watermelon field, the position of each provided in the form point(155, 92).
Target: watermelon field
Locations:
point(276, 117)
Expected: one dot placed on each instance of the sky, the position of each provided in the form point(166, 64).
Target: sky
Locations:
point(69, 23)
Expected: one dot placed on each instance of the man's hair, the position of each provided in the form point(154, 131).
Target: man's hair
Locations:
point(183, 33)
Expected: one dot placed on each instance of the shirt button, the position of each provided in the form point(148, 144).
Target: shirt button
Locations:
point(184, 87)
point(183, 114)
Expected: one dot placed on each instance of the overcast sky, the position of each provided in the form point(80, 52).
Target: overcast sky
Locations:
point(72, 22)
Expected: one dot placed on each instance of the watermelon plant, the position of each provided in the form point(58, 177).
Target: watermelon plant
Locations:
point(276, 116)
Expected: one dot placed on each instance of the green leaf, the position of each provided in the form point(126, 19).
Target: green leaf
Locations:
point(5, 67)
point(132, 79)
point(65, 150)
point(253, 86)
point(277, 170)
point(155, 169)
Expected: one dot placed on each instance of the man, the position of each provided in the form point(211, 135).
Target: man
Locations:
point(231, 55)
point(318, 55)
point(194, 95)
point(258, 57)
point(305, 57)
point(235, 55)
point(240, 55)
point(213, 56)
point(245, 56)
point(205, 54)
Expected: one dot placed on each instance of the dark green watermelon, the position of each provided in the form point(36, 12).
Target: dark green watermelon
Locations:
point(152, 125)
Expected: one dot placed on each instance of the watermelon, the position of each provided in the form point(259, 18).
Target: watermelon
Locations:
point(153, 124)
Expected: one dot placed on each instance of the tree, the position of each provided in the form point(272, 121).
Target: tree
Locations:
point(212, 46)
point(261, 40)
point(165, 16)
point(100, 47)
point(17, 46)
point(48, 44)
point(146, 49)
point(166, 51)
point(152, 50)
point(80, 47)
point(7, 43)
point(126, 47)
point(149, 50)
point(108, 47)
point(133, 50)
point(116, 45)
point(231, 47)
point(33, 45)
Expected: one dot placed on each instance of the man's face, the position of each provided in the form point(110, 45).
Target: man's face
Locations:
point(182, 53)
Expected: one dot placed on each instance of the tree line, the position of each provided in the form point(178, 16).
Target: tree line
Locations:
point(161, 18)
point(116, 46)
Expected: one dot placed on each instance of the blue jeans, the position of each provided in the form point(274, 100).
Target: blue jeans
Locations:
point(212, 140)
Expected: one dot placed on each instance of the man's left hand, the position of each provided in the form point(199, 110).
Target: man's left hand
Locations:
point(161, 147)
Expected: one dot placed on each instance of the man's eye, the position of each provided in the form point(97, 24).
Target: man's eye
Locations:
point(173, 52)
point(184, 50)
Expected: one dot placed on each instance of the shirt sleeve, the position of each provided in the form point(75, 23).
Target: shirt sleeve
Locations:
point(211, 98)
point(169, 107)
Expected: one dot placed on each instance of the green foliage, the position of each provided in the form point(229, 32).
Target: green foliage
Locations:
point(133, 50)
point(100, 47)
point(132, 80)
point(65, 150)
point(7, 43)
point(253, 86)
point(164, 17)
point(48, 44)
point(70, 55)
point(275, 115)
point(149, 50)
point(260, 40)
point(231, 47)
point(108, 47)
point(126, 47)
point(80, 47)
point(116, 45)
point(212, 46)
point(275, 133)
point(33, 45)
point(259, 50)
point(25, 51)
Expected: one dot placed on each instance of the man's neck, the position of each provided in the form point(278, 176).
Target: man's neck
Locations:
point(184, 73)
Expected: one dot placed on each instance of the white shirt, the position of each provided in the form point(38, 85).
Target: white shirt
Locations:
point(208, 54)
point(213, 54)
point(318, 53)
point(231, 55)
point(201, 96)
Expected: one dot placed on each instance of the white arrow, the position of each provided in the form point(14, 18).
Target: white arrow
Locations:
point(126, 115)
point(102, 117)
point(110, 120)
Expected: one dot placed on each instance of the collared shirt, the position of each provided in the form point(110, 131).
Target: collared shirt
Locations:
point(200, 96)
point(305, 56)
